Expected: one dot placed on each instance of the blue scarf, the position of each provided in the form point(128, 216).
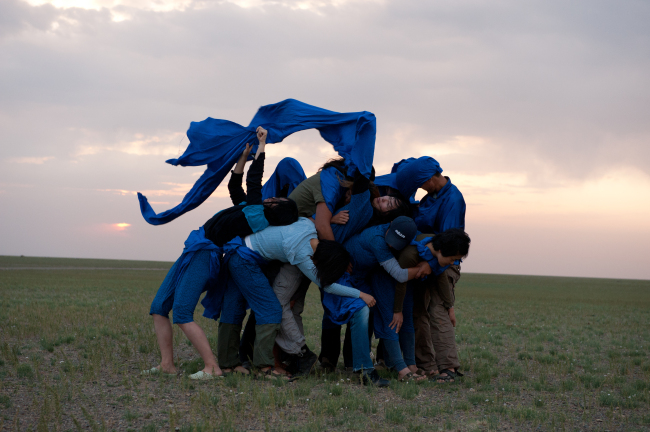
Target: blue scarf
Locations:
point(219, 143)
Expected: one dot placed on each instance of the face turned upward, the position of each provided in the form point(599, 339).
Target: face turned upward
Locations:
point(273, 200)
point(385, 204)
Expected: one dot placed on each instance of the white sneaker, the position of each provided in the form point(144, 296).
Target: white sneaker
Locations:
point(200, 375)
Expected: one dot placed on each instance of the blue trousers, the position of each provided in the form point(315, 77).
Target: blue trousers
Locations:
point(360, 342)
point(247, 284)
point(399, 355)
point(383, 289)
point(182, 297)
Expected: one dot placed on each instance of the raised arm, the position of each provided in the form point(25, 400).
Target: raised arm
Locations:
point(256, 171)
point(235, 189)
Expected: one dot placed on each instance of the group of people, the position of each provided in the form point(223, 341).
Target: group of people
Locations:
point(385, 265)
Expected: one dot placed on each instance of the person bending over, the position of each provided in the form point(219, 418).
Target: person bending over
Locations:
point(322, 261)
point(436, 318)
point(191, 273)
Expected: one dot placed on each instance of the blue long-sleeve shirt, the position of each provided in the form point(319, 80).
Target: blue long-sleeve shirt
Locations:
point(291, 243)
point(441, 211)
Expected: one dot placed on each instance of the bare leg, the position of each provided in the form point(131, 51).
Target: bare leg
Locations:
point(196, 335)
point(163, 330)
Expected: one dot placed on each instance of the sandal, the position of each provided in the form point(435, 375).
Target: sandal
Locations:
point(411, 377)
point(234, 371)
point(271, 373)
point(448, 376)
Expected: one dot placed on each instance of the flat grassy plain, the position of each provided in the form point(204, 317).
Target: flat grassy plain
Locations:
point(539, 353)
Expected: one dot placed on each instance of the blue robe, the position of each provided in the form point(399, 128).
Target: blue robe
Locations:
point(219, 143)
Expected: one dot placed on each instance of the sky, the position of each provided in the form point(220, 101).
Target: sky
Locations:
point(538, 111)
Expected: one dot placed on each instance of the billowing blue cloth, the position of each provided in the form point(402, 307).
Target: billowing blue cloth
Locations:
point(340, 309)
point(442, 211)
point(288, 172)
point(213, 300)
point(409, 174)
point(219, 143)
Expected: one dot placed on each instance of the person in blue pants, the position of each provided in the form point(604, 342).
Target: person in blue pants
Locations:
point(372, 253)
point(194, 271)
point(322, 261)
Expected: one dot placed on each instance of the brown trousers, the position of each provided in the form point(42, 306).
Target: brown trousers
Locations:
point(435, 339)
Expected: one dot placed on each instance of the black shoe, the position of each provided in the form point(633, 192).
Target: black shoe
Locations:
point(373, 378)
point(305, 363)
point(326, 366)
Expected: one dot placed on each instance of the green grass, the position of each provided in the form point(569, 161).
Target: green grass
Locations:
point(538, 353)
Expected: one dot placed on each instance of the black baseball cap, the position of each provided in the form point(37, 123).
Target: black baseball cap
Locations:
point(401, 232)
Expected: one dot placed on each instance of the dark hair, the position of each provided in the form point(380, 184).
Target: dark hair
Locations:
point(281, 212)
point(403, 209)
point(452, 242)
point(338, 163)
point(331, 260)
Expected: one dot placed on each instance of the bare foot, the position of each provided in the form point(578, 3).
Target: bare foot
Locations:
point(167, 369)
point(239, 370)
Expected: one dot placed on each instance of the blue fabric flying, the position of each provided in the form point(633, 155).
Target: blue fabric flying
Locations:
point(288, 172)
point(219, 143)
point(408, 175)
point(213, 300)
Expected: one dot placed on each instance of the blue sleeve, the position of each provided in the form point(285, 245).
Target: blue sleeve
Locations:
point(453, 215)
point(380, 249)
point(330, 187)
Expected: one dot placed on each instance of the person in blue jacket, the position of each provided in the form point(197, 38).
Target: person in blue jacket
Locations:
point(442, 208)
point(372, 253)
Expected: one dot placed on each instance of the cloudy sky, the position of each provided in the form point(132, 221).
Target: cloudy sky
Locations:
point(539, 112)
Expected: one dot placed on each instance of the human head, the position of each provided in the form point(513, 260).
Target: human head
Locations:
point(412, 174)
point(435, 183)
point(280, 211)
point(331, 260)
point(389, 207)
point(453, 243)
point(401, 233)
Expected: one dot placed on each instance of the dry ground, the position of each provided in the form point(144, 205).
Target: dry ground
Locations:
point(539, 353)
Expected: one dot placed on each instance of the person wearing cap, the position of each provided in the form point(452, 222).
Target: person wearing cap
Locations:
point(442, 208)
point(371, 251)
